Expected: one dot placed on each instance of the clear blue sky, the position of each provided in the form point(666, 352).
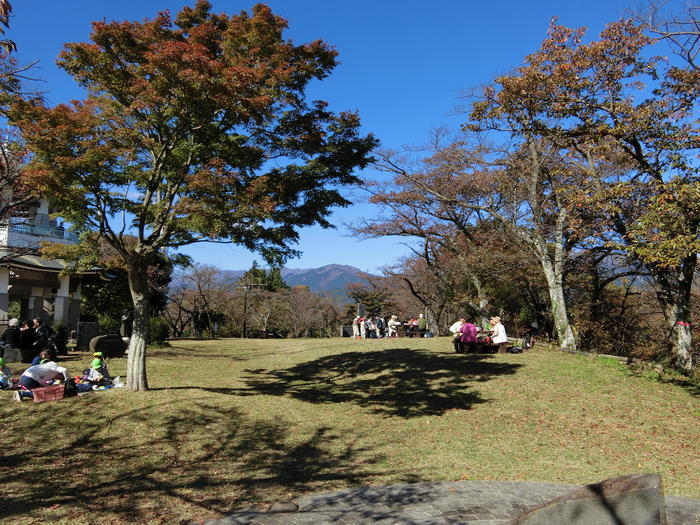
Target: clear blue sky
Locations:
point(403, 65)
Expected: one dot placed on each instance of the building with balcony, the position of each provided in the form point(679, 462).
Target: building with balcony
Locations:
point(35, 282)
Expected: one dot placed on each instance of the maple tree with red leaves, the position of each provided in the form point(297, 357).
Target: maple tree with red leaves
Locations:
point(195, 128)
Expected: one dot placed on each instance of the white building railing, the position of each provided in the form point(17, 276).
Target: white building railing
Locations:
point(44, 231)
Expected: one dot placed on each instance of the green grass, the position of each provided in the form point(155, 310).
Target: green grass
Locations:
point(231, 423)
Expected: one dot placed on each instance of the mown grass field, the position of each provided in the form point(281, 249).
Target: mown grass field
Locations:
point(231, 423)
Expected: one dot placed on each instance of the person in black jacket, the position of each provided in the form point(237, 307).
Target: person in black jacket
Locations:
point(41, 336)
point(26, 342)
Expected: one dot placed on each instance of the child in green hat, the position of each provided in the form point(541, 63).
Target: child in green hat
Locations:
point(99, 365)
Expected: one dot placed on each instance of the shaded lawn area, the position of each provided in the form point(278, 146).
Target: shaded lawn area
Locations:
point(231, 423)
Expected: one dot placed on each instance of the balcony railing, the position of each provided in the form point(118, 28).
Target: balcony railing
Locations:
point(44, 231)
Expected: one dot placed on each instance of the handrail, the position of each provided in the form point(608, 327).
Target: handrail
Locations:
point(43, 231)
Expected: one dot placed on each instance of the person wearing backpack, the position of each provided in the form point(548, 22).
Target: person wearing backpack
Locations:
point(42, 358)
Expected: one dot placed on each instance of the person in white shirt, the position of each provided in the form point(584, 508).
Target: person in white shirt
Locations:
point(37, 376)
point(498, 335)
point(356, 327)
point(392, 326)
point(456, 332)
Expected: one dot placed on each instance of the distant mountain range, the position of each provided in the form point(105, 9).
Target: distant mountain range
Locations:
point(331, 279)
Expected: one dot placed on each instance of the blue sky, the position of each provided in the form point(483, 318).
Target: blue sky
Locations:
point(403, 66)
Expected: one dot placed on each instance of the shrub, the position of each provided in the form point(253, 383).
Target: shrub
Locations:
point(108, 324)
point(158, 331)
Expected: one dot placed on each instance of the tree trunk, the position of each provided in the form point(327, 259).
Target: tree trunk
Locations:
point(481, 309)
point(682, 337)
point(674, 295)
point(552, 260)
point(553, 273)
point(565, 333)
point(431, 321)
point(136, 364)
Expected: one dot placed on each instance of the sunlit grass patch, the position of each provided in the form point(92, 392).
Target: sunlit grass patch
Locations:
point(236, 422)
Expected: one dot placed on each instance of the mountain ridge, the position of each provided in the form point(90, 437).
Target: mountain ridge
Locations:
point(330, 278)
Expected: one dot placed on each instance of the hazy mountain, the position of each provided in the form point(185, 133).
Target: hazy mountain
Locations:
point(331, 279)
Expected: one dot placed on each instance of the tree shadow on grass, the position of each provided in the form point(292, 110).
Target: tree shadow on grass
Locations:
point(397, 382)
point(181, 351)
point(163, 462)
point(687, 384)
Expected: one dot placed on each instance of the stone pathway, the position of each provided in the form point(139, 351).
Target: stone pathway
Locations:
point(463, 502)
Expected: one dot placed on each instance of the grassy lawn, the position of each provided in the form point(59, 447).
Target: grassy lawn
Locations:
point(231, 423)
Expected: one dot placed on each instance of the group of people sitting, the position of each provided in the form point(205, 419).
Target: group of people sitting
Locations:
point(375, 327)
point(467, 338)
point(46, 372)
point(35, 345)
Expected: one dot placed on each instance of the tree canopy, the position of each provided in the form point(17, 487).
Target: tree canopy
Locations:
point(586, 151)
point(195, 128)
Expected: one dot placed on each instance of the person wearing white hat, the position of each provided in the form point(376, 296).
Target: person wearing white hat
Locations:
point(498, 337)
point(392, 326)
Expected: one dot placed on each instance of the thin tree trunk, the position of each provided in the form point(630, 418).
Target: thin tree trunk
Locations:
point(553, 273)
point(481, 309)
point(551, 259)
point(136, 364)
point(565, 333)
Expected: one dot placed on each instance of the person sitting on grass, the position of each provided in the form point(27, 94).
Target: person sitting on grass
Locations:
point(42, 358)
point(100, 365)
point(97, 374)
point(38, 376)
point(5, 375)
